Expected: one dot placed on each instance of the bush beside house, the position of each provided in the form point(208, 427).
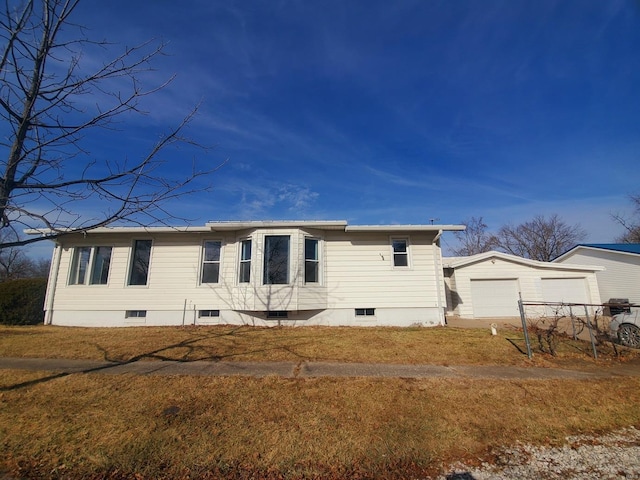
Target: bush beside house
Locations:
point(22, 301)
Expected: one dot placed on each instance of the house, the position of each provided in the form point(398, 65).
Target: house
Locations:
point(490, 284)
point(257, 272)
point(621, 261)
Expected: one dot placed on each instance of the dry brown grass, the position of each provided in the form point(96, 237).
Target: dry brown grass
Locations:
point(103, 426)
point(88, 425)
point(439, 346)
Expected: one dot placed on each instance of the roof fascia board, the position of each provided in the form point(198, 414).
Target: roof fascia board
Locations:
point(575, 249)
point(464, 261)
point(404, 228)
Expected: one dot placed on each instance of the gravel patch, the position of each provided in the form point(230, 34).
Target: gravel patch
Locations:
point(585, 457)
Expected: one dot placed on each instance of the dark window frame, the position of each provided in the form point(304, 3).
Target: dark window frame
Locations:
point(276, 261)
point(140, 263)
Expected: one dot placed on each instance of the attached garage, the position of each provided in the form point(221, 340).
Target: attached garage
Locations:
point(494, 298)
point(488, 285)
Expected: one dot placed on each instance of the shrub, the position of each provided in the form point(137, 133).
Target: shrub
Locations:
point(22, 301)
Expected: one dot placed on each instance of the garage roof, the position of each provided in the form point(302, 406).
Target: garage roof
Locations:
point(458, 262)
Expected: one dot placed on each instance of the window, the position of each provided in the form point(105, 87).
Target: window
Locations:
point(245, 262)
point(311, 261)
point(90, 264)
point(135, 314)
point(208, 313)
point(400, 252)
point(211, 262)
point(365, 312)
point(100, 265)
point(276, 259)
point(139, 272)
point(79, 265)
point(277, 314)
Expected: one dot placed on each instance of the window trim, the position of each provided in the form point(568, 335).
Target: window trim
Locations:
point(89, 271)
point(265, 256)
point(407, 253)
point(135, 314)
point(208, 313)
point(204, 262)
point(317, 261)
point(242, 261)
point(365, 312)
point(132, 262)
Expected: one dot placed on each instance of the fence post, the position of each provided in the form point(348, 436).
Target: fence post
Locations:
point(593, 343)
point(524, 327)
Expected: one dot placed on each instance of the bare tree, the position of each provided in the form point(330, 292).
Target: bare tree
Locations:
point(632, 224)
point(15, 264)
point(474, 239)
point(540, 238)
point(50, 104)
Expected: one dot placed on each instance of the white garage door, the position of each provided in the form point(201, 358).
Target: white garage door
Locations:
point(495, 298)
point(565, 290)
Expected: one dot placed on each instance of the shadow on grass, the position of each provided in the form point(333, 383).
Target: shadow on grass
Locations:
point(194, 353)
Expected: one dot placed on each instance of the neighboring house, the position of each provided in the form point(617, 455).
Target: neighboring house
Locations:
point(621, 276)
point(258, 273)
point(490, 284)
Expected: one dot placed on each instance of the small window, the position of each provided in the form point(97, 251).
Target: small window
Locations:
point(276, 259)
point(208, 313)
point(245, 262)
point(365, 312)
point(211, 262)
point(135, 314)
point(400, 252)
point(277, 314)
point(311, 261)
point(139, 272)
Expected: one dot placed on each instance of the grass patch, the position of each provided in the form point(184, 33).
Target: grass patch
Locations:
point(438, 345)
point(95, 426)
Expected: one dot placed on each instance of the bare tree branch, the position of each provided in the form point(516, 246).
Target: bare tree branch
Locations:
point(630, 223)
point(46, 171)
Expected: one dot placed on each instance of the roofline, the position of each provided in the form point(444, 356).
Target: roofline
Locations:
point(235, 225)
point(405, 228)
point(592, 247)
point(223, 226)
point(463, 261)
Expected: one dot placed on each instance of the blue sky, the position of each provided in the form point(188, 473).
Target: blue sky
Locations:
point(381, 112)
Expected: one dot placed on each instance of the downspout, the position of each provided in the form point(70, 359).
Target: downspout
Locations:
point(437, 263)
point(52, 283)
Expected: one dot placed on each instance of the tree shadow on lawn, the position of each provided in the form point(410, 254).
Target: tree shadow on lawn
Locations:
point(194, 353)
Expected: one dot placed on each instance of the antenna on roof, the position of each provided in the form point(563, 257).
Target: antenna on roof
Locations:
point(433, 220)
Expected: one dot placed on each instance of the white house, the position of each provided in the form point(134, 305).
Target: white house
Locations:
point(490, 284)
point(621, 261)
point(259, 273)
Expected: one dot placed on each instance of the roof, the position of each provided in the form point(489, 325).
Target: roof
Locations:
point(458, 262)
point(625, 248)
point(219, 226)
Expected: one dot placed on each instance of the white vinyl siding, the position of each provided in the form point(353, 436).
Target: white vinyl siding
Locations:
point(619, 279)
point(354, 269)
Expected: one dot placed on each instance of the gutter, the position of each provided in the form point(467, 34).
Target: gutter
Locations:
point(52, 283)
point(437, 263)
